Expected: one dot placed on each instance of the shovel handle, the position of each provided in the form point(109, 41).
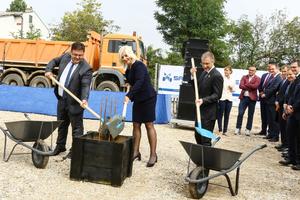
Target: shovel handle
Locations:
point(125, 104)
point(74, 97)
point(196, 91)
point(124, 110)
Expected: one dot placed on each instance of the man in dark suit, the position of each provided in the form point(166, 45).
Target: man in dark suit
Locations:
point(279, 107)
point(263, 112)
point(293, 124)
point(269, 97)
point(76, 75)
point(210, 84)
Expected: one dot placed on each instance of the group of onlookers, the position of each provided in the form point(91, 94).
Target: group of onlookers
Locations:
point(278, 91)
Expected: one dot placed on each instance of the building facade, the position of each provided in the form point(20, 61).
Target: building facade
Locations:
point(19, 23)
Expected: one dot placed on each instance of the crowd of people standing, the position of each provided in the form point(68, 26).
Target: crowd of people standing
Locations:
point(278, 92)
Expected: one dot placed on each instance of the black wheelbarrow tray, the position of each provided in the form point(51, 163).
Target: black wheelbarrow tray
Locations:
point(210, 158)
point(22, 132)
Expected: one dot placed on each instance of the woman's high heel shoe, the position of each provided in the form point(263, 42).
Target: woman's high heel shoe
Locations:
point(150, 164)
point(138, 157)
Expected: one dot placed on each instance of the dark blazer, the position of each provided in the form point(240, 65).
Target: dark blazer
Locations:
point(79, 83)
point(294, 99)
point(262, 80)
point(251, 86)
point(138, 77)
point(210, 86)
point(281, 92)
point(296, 102)
point(271, 89)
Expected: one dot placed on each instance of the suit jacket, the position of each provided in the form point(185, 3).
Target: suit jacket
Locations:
point(281, 92)
point(251, 86)
point(262, 80)
point(294, 99)
point(79, 83)
point(210, 86)
point(271, 89)
point(139, 79)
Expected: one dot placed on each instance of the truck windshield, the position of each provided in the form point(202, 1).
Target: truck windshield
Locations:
point(114, 45)
point(142, 48)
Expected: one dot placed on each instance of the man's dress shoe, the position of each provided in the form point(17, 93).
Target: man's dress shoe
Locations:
point(296, 167)
point(286, 162)
point(58, 150)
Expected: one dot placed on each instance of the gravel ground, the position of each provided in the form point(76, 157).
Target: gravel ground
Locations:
point(261, 176)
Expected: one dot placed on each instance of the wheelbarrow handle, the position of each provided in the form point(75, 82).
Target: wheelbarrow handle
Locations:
point(75, 98)
point(247, 155)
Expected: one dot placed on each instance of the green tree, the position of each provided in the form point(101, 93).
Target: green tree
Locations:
point(32, 34)
point(284, 38)
point(247, 41)
point(275, 38)
point(179, 20)
point(75, 25)
point(17, 6)
point(155, 56)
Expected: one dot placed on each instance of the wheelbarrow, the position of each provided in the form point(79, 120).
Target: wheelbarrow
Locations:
point(210, 158)
point(22, 132)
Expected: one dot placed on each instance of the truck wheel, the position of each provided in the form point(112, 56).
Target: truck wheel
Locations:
point(197, 190)
point(40, 82)
point(108, 86)
point(13, 79)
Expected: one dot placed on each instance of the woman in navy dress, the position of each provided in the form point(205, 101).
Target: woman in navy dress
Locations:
point(143, 96)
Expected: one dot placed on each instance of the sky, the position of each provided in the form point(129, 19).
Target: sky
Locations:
point(138, 15)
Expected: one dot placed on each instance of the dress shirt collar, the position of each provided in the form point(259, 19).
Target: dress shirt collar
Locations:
point(210, 69)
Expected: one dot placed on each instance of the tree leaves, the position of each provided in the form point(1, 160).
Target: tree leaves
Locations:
point(76, 25)
point(180, 20)
point(17, 6)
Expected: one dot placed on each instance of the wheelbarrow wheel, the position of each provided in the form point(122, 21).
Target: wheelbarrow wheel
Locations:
point(197, 190)
point(40, 161)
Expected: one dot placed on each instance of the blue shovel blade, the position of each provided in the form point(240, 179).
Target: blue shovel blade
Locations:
point(206, 133)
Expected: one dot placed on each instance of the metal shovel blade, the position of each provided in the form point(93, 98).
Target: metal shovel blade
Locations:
point(206, 133)
point(115, 125)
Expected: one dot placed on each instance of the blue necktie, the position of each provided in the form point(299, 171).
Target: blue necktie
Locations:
point(67, 80)
point(69, 76)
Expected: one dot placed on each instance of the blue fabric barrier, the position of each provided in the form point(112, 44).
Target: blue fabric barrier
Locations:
point(43, 101)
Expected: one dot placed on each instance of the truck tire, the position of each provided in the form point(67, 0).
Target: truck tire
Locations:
point(13, 79)
point(108, 86)
point(40, 82)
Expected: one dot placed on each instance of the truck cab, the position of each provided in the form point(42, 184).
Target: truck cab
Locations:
point(110, 76)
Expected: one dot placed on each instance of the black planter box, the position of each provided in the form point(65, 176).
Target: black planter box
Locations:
point(101, 161)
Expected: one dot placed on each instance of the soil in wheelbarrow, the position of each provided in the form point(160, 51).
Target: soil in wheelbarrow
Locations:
point(93, 135)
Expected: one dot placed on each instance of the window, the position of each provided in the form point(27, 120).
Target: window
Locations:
point(30, 19)
point(114, 45)
point(142, 48)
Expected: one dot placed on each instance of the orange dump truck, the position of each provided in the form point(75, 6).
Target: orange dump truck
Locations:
point(23, 61)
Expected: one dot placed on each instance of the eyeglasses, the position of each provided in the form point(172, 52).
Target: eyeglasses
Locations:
point(77, 55)
point(205, 63)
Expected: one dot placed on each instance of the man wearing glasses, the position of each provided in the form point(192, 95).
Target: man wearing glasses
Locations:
point(75, 74)
point(248, 97)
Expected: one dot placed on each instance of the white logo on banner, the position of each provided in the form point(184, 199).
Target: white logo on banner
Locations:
point(170, 78)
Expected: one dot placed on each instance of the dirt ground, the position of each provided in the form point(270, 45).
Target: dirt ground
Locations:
point(261, 177)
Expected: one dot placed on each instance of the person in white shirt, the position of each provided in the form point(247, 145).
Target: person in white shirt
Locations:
point(225, 103)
